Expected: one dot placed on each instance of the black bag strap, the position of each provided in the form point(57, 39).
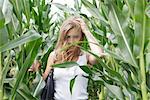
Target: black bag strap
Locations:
point(51, 73)
point(48, 90)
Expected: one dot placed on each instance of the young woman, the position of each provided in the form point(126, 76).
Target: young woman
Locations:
point(72, 30)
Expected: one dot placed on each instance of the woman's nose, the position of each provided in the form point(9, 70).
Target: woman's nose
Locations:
point(72, 40)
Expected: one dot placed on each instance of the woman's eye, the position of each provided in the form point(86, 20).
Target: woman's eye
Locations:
point(67, 37)
point(76, 36)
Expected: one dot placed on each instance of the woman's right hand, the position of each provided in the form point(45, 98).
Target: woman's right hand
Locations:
point(35, 66)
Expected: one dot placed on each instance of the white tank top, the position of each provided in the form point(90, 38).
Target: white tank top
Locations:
point(62, 78)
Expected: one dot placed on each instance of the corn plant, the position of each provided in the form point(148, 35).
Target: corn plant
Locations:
point(128, 65)
point(27, 32)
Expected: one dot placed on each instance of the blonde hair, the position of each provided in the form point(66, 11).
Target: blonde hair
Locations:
point(72, 52)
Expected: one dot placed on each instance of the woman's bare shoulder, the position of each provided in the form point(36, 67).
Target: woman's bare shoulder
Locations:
point(90, 58)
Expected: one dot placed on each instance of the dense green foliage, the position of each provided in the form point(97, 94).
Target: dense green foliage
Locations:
point(122, 27)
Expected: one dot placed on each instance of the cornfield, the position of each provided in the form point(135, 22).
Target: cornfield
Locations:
point(28, 32)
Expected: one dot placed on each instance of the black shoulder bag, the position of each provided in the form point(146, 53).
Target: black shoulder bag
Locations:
point(48, 90)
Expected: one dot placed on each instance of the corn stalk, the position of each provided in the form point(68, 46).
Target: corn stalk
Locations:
point(1, 75)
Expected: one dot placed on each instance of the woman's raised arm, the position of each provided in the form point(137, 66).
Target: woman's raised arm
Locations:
point(93, 43)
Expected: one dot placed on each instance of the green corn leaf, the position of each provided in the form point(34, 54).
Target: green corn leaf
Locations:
point(31, 35)
point(86, 69)
point(23, 90)
point(93, 10)
point(115, 90)
point(72, 81)
point(118, 28)
point(65, 65)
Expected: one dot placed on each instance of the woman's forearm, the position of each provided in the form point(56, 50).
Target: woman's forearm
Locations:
point(48, 66)
point(93, 43)
point(47, 70)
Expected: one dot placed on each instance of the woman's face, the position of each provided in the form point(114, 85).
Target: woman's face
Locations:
point(73, 35)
